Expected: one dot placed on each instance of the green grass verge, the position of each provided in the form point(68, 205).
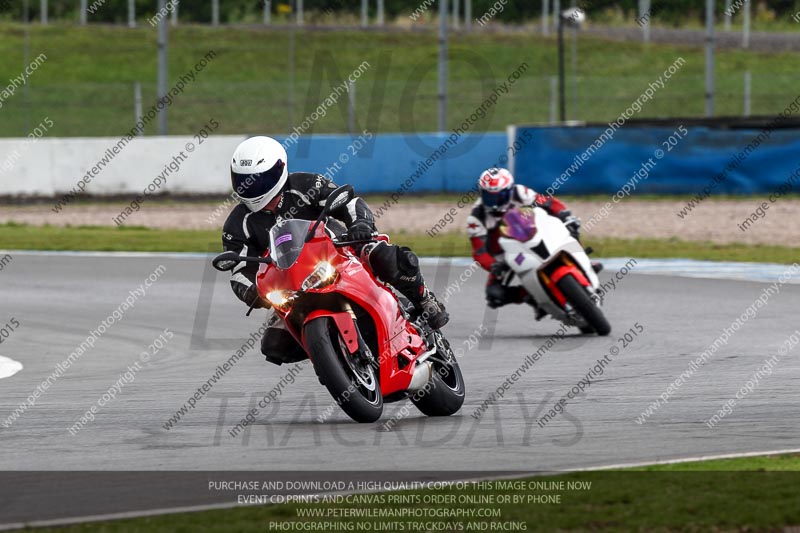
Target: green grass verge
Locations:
point(760, 463)
point(752, 494)
point(138, 239)
point(86, 84)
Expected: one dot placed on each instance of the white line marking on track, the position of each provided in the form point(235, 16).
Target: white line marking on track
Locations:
point(713, 457)
point(9, 367)
point(211, 507)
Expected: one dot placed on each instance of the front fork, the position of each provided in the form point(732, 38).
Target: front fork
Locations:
point(345, 321)
point(568, 267)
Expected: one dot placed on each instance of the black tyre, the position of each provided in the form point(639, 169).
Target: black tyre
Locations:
point(444, 394)
point(576, 295)
point(353, 384)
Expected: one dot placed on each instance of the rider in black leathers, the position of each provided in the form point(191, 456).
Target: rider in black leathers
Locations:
point(268, 193)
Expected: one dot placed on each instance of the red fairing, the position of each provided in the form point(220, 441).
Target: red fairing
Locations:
point(355, 283)
point(550, 203)
point(559, 274)
point(480, 253)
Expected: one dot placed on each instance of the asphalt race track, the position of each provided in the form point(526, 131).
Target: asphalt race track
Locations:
point(58, 299)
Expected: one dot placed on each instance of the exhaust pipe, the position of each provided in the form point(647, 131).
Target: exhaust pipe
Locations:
point(421, 376)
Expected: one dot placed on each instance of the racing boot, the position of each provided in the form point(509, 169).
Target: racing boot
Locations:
point(432, 309)
point(426, 305)
point(399, 266)
point(498, 295)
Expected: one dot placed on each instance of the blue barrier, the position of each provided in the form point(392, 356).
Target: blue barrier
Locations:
point(389, 160)
point(685, 168)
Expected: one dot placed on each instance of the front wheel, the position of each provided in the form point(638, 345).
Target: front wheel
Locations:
point(576, 294)
point(444, 394)
point(353, 383)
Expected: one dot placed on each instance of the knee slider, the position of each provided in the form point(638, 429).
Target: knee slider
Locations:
point(495, 292)
point(407, 261)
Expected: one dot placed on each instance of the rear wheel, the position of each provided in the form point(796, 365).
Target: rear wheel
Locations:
point(352, 382)
point(443, 395)
point(576, 295)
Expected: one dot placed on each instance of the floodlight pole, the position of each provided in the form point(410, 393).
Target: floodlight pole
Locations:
point(562, 104)
point(162, 68)
point(442, 65)
point(709, 58)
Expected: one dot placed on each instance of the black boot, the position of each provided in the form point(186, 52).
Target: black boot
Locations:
point(432, 310)
point(425, 303)
point(399, 267)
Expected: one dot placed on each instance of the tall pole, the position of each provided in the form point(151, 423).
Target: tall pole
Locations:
point(364, 13)
point(456, 9)
point(727, 15)
point(137, 104)
point(746, 29)
point(267, 12)
point(747, 92)
point(26, 18)
point(556, 12)
point(545, 17)
point(709, 58)
point(300, 12)
point(573, 56)
point(645, 14)
point(291, 61)
point(562, 104)
point(162, 67)
point(131, 13)
point(43, 12)
point(351, 107)
point(173, 17)
point(380, 13)
point(215, 13)
point(84, 8)
point(468, 15)
point(442, 65)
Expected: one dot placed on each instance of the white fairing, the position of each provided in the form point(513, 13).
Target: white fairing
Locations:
point(526, 263)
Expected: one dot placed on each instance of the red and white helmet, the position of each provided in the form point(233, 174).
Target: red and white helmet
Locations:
point(496, 186)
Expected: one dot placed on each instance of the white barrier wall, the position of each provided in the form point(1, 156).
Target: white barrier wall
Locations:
point(53, 166)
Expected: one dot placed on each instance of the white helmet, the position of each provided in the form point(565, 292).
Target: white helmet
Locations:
point(258, 171)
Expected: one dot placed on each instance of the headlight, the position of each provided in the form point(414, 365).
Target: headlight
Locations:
point(322, 276)
point(280, 298)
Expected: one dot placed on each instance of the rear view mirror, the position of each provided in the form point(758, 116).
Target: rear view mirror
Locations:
point(226, 261)
point(339, 197)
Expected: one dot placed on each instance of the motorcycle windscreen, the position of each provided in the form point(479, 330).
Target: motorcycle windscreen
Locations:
point(286, 241)
point(519, 224)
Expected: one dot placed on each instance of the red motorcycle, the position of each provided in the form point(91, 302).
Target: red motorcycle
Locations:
point(365, 347)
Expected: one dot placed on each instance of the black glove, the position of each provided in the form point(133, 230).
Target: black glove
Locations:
point(498, 269)
point(360, 230)
point(251, 297)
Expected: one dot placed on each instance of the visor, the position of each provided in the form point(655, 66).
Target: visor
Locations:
point(496, 199)
point(250, 186)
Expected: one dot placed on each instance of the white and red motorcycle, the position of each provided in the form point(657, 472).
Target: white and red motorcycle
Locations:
point(553, 267)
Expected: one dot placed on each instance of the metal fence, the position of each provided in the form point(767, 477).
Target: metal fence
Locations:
point(271, 80)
